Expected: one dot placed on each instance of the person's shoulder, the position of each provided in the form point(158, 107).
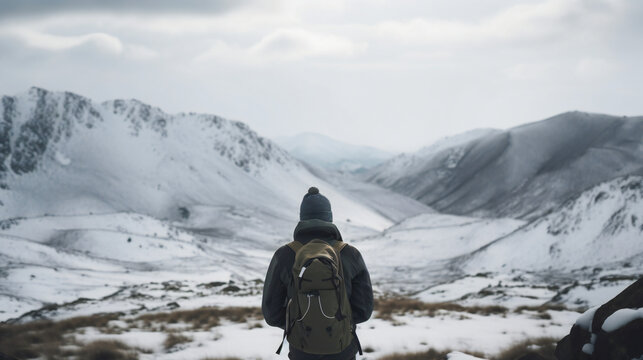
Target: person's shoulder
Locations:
point(350, 250)
point(284, 251)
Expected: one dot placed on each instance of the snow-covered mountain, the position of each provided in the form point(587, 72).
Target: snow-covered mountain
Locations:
point(323, 151)
point(61, 153)
point(601, 226)
point(578, 254)
point(104, 199)
point(523, 172)
point(121, 208)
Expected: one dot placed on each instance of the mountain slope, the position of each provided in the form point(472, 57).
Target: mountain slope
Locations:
point(602, 225)
point(60, 153)
point(323, 151)
point(523, 172)
point(108, 201)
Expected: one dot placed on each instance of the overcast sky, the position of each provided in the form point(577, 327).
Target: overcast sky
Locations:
point(396, 74)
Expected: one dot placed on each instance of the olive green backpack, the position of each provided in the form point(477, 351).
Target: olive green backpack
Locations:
point(318, 316)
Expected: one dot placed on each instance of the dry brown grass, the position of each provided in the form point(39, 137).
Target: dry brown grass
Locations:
point(543, 308)
point(203, 318)
point(45, 338)
point(544, 346)
point(107, 350)
point(430, 354)
point(386, 308)
point(173, 339)
point(542, 311)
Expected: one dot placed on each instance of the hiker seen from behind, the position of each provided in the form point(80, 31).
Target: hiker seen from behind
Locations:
point(317, 288)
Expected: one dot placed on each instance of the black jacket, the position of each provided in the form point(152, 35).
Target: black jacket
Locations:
point(276, 291)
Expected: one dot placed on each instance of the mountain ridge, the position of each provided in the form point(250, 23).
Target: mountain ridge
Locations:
point(521, 172)
point(62, 154)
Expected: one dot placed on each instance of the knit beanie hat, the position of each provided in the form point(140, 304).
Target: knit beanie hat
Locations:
point(315, 206)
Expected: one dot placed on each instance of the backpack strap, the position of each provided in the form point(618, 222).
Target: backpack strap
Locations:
point(339, 246)
point(295, 246)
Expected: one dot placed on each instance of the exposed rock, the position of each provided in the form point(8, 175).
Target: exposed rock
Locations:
point(34, 135)
point(599, 335)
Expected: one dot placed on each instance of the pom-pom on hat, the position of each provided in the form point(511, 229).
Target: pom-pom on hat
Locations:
point(315, 206)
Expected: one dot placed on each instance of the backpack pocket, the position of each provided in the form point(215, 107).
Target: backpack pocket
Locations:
point(327, 304)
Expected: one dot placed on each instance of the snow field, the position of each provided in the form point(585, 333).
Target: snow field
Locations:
point(407, 333)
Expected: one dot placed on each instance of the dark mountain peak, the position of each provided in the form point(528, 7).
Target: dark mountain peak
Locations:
point(50, 117)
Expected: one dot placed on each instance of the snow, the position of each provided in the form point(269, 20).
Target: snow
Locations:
point(461, 356)
point(593, 293)
point(621, 318)
point(407, 333)
point(524, 172)
point(62, 159)
point(585, 320)
point(122, 216)
point(421, 242)
point(134, 158)
point(589, 347)
point(598, 226)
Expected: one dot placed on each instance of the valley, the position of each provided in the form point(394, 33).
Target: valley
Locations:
point(119, 208)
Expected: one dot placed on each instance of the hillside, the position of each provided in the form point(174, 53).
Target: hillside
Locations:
point(522, 172)
point(63, 154)
point(601, 227)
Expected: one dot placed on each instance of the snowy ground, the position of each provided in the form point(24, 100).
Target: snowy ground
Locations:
point(59, 267)
point(408, 333)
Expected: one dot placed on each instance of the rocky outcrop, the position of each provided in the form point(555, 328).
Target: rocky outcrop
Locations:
point(6, 124)
point(51, 118)
point(612, 331)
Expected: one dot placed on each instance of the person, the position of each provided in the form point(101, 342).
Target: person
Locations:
point(316, 222)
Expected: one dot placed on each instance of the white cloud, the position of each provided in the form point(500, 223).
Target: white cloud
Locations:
point(284, 45)
point(296, 44)
point(416, 62)
point(96, 42)
point(103, 42)
point(140, 52)
point(523, 22)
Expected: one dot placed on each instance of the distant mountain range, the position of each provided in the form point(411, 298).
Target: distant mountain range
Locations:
point(523, 172)
point(102, 199)
point(331, 154)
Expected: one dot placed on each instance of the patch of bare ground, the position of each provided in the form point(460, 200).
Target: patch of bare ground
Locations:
point(173, 339)
point(548, 307)
point(386, 308)
point(46, 338)
point(107, 350)
point(543, 347)
point(55, 340)
point(202, 318)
